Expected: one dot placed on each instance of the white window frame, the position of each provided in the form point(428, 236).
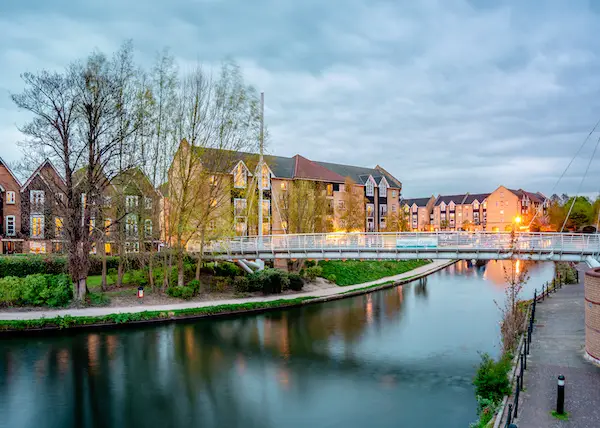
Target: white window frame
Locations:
point(443, 206)
point(383, 186)
point(131, 225)
point(148, 202)
point(148, 227)
point(372, 207)
point(242, 211)
point(11, 197)
point(393, 193)
point(244, 222)
point(31, 221)
point(9, 219)
point(58, 231)
point(37, 197)
point(266, 177)
point(240, 171)
point(382, 210)
point(369, 188)
point(267, 207)
point(131, 201)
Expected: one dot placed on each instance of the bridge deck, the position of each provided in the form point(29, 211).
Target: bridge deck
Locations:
point(434, 245)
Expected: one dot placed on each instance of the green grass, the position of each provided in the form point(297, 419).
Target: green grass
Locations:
point(563, 417)
point(69, 321)
point(352, 272)
point(95, 281)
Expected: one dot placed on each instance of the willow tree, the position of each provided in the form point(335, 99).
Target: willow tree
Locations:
point(214, 119)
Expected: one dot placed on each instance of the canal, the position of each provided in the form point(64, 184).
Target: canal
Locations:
point(402, 357)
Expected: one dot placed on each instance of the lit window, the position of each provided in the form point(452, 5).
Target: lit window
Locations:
point(370, 188)
point(148, 227)
point(10, 197)
point(266, 208)
point(240, 225)
point(10, 225)
point(213, 202)
point(284, 224)
point(37, 247)
point(37, 226)
point(107, 248)
point(266, 177)
point(475, 205)
point(370, 210)
point(240, 178)
point(330, 190)
point(212, 180)
point(107, 226)
point(284, 185)
point(501, 211)
point(239, 206)
point(132, 247)
point(92, 225)
point(58, 226)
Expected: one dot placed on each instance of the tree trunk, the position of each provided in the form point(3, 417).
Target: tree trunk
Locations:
point(167, 272)
point(200, 256)
point(80, 290)
point(120, 270)
point(180, 277)
point(151, 267)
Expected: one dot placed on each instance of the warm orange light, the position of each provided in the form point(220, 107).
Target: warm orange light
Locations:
point(517, 219)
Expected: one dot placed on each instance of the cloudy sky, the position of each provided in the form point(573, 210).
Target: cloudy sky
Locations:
point(449, 95)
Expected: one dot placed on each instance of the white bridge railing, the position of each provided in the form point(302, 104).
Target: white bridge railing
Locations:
point(485, 245)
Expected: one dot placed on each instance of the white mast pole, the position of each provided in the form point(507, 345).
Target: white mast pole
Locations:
point(260, 166)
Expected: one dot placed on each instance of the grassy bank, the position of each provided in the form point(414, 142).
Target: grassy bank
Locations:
point(70, 321)
point(352, 272)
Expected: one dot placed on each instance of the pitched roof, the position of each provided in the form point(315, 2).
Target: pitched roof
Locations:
point(305, 168)
point(420, 202)
point(10, 172)
point(280, 166)
point(361, 174)
point(479, 197)
point(457, 199)
point(38, 172)
point(535, 197)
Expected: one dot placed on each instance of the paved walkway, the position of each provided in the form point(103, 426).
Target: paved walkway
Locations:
point(557, 347)
point(324, 292)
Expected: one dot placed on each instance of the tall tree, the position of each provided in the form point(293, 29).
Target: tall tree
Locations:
point(352, 216)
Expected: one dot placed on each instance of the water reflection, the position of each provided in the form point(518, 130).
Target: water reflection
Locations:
point(403, 354)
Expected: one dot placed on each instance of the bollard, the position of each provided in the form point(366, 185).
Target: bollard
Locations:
point(543, 292)
point(524, 362)
point(560, 396)
point(509, 418)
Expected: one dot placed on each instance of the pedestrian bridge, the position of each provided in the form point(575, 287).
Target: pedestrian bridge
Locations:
point(574, 247)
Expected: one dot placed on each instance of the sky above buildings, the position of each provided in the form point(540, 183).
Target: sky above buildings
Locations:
point(450, 96)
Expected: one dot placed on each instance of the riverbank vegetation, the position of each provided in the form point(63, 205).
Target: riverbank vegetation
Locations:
point(352, 272)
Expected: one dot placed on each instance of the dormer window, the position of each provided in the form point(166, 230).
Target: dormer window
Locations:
point(383, 188)
point(443, 206)
point(240, 178)
point(451, 206)
point(370, 188)
point(476, 205)
point(266, 177)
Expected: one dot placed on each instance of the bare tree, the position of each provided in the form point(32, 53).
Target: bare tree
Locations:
point(352, 217)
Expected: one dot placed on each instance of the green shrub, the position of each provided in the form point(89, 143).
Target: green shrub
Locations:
point(35, 290)
point(195, 285)
point(241, 284)
point(485, 410)
point(227, 269)
point(208, 268)
point(309, 263)
point(491, 381)
point(60, 290)
point(222, 284)
point(313, 272)
point(10, 290)
point(296, 282)
point(331, 278)
point(269, 281)
point(182, 292)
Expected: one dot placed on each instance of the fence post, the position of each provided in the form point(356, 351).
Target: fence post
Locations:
point(519, 378)
point(509, 418)
point(524, 362)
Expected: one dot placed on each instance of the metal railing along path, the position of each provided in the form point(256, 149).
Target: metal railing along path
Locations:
point(433, 245)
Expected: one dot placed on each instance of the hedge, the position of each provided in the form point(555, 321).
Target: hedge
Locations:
point(36, 290)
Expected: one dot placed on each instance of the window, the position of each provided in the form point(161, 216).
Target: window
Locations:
point(284, 224)
point(394, 208)
point(370, 188)
point(239, 176)
point(148, 202)
point(239, 207)
point(59, 198)
point(443, 206)
point(501, 211)
point(10, 225)
point(382, 222)
point(484, 204)
point(382, 210)
point(37, 226)
point(451, 206)
point(148, 227)
point(383, 188)
point(476, 205)
point(213, 202)
point(58, 226)
point(131, 225)
point(266, 177)
point(36, 197)
point(132, 247)
point(284, 185)
point(107, 248)
point(106, 201)
point(10, 197)
point(240, 225)
point(266, 227)
point(92, 225)
point(212, 180)
point(370, 210)
point(393, 193)
point(330, 189)
point(107, 226)
point(342, 188)
point(266, 208)
point(132, 202)
point(37, 247)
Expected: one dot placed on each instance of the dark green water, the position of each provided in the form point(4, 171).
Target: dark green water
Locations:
point(403, 357)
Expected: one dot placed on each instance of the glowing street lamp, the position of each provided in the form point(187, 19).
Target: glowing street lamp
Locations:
point(517, 220)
